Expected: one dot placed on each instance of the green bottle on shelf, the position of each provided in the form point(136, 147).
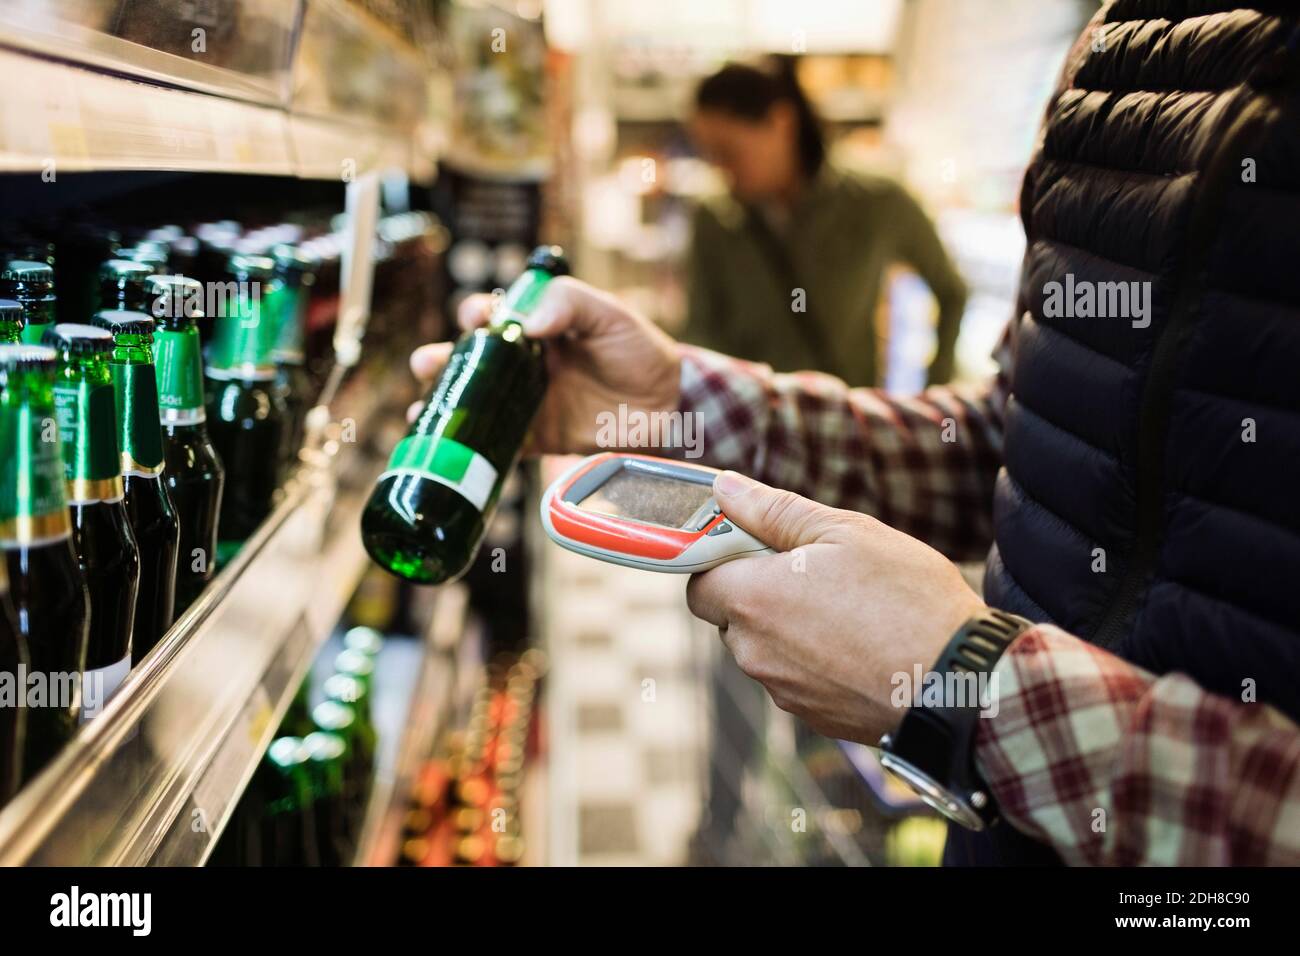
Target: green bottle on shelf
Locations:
point(246, 413)
point(31, 285)
point(11, 322)
point(148, 502)
point(122, 285)
point(46, 587)
point(429, 510)
point(340, 719)
point(325, 756)
point(296, 270)
point(287, 824)
point(85, 405)
point(13, 655)
point(195, 475)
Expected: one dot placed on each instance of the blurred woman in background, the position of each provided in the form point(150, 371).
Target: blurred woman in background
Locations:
point(788, 268)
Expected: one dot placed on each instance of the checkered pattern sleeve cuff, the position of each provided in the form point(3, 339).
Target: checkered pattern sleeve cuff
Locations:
point(925, 464)
point(1112, 766)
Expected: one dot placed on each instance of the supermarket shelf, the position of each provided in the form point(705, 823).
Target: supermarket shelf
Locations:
point(413, 725)
point(321, 94)
point(74, 120)
point(153, 779)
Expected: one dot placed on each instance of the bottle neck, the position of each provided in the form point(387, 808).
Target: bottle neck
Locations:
point(38, 315)
point(135, 384)
point(520, 299)
point(33, 510)
point(246, 331)
point(179, 361)
point(85, 405)
point(292, 307)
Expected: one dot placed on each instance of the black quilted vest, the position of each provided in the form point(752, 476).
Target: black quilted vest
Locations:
point(1150, 500)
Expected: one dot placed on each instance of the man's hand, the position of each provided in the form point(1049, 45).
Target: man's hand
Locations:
point(826, 625)
point(600, 355)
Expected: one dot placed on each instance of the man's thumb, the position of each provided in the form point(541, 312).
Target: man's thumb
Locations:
point(780, 519)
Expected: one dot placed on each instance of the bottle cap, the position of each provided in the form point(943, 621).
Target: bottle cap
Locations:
point(15, 358)
point(250, 266)
point(331, 715)
point(322, 746)
point(10, 310)
point(550, 259)
point(75, 339)
point(364, 639)
point(286, 752)
point(344, 688)
point(174, 298)
point(124, 322)
point(27, 270)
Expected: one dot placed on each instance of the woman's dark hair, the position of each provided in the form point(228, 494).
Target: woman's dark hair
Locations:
point(749, 91)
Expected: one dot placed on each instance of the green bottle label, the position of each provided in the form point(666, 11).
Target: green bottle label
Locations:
point(139, 431)
point(180, 377)
point(87, 416)
point(32, 507)
point(246, 333)
point(521, 298)
point(447, 462)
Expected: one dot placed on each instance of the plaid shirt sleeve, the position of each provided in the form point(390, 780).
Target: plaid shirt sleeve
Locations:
point(924, 464)
point(1113, 766)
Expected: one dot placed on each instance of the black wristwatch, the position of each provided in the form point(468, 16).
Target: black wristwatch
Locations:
point(933, 750)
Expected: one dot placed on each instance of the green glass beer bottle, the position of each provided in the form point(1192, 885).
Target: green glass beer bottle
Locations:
point(148, 503)
point(85, 405)
point(13, 658)
point(358, 761)
point(194, 474)
point(122, 285)
point(246, 415)
point(296, 270)
point(426, 516)
point(46, 587)
point(288, 827)
point(325, 756)
point(31, 285)
point(11, 322)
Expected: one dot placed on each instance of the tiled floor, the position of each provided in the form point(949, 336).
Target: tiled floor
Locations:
point(625, 714)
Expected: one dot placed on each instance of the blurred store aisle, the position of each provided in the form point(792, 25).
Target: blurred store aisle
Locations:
point(624, 706)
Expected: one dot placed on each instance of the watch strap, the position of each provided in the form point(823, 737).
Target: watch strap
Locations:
point(937, 738)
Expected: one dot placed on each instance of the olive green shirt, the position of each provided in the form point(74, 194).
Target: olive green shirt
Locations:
point(804, 295)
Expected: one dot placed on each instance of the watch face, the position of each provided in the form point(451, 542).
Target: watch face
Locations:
point(932, 792)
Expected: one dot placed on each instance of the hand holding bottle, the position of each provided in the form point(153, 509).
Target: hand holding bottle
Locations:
point(600, 355)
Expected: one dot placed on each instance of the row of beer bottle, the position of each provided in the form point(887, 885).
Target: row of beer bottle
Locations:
point(306, 803)
point(112, 485)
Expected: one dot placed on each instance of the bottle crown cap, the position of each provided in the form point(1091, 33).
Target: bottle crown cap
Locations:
point(253, 266)
point(77, 339)
point(124, 322)
point(27, 270)
point(322, 746)
point(15, 358)
point(550, 259)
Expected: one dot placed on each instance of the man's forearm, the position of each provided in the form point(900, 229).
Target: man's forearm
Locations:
point(1111, 765)
point(924, 465)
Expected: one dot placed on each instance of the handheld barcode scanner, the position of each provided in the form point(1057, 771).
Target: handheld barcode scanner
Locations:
point(644, 512)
